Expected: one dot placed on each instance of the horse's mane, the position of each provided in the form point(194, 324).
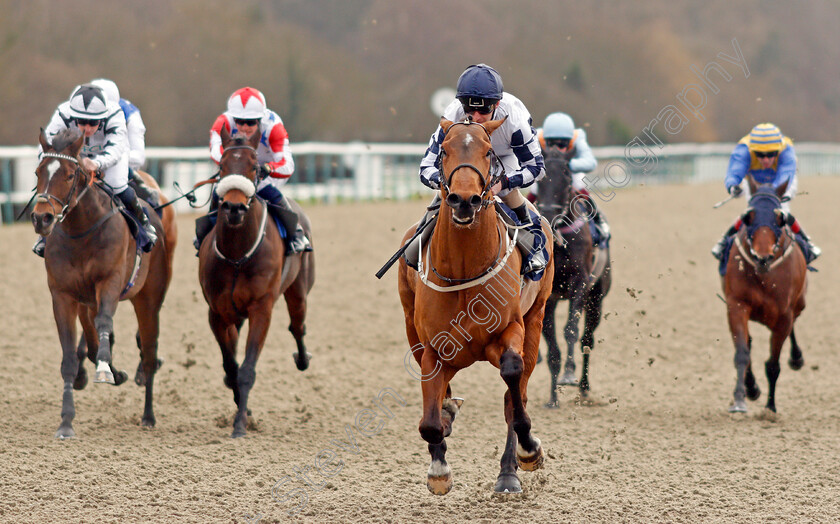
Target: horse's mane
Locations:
point(64, 138)
point(238, 140)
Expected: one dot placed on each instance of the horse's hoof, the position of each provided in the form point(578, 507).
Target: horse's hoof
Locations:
point(738, 406)
point(65, 433)
point(238, 433)
point(507, 483)
point(797, 364)
point(103, 373)
point(532, 461)
point(753, 393)
point(81, 380)
point(148, 422)
point(301, 362)
point(439, 485)
point(568, 379)
point(552, 404)
point(120, 378)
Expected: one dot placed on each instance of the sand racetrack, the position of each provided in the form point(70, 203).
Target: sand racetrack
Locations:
point(656, 445)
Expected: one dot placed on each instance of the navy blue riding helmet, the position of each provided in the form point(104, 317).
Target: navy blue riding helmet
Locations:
point(479, 87)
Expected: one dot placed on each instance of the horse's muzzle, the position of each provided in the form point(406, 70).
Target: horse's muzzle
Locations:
point(43, 223)
point(463, 210)
point(234, 213)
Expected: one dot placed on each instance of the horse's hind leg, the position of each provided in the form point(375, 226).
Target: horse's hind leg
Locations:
point(572, 334)
point(554, 356)
point(592, 308)
point(752, 389)
point(227, 336)
point(147, 309)
point(140, 374)
point(296, 304)
point(796, 361)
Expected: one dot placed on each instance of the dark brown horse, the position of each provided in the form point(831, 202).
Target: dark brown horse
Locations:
point(465, 304)
point(92, 263)
point(243, 271)
point(765, 282)
point(579, 276)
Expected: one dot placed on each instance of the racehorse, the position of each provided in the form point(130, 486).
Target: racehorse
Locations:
point(243, 271)
point(579, 276)
point(765, 282)
point(92, 263)
point(471, 306)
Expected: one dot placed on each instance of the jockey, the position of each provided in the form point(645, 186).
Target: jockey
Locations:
point(134, 125)
point(247, 114)
point(769, 157)
point(105, 148)
point(480, 97)
point(559, 131)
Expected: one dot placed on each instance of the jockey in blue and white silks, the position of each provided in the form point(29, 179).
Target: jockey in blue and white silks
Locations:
point(769, 158)
point(480, 97)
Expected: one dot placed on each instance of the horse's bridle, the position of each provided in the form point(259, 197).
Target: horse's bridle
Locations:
point(487, 183)
point(257, 167)
point(48, 197)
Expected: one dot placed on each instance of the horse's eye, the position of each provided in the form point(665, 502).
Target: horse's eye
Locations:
point(488, 153)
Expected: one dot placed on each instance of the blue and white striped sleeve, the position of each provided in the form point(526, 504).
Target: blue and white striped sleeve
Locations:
point(525, 146)
point(430, 165)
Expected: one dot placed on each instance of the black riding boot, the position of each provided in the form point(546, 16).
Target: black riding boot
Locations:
point(599, 219)
point(143, 191)
point(296, 241)
point(204, 224)
point(129, 200)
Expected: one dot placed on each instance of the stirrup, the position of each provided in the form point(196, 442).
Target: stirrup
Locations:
point(299, 244)
point(815, 250)
point(717, 251)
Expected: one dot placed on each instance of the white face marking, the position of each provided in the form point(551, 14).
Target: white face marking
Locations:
point(52, 167)
point(467, 140)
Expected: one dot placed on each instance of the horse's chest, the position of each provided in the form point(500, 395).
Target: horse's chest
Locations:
point(462, 321)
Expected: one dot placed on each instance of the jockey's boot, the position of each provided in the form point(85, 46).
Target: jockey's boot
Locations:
point(39, 246)
point(522, 214)
point(296, 241)
point(717, 251)
point(536, 264)
point(129, 199)
point(599, 219)
point(815, 249)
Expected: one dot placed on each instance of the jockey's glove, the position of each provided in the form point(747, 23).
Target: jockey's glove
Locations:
point(735, 191)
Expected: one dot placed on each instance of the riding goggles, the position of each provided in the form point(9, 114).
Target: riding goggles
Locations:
point(246, 121)
point(483, 106)
point(86, 122)
point(562, 143)
point(769, 154)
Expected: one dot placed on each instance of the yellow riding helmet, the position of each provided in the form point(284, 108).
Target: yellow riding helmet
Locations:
point(765, 138)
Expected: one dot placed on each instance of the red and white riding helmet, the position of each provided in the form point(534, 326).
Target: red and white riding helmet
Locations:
point(246, 103)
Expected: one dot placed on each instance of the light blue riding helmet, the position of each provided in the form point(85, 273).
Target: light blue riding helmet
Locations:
point(558, 125)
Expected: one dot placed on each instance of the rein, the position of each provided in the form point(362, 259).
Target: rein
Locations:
point(47, 197)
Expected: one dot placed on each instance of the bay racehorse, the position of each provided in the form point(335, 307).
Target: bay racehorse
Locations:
point(92, 263)
point(465, 304)
point(582, 272)
point(243, 271)
point(765, 282)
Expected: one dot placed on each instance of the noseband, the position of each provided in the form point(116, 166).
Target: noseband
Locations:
point(48, 197)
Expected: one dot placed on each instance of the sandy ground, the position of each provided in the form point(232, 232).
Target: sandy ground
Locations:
point(656, 445)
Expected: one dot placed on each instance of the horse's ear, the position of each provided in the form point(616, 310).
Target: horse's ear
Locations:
point(42, 139)
point(780, 191)
point(255, 138)
point(494, 125)
point(76, 146)
point(445, 124)
point(752, 184)
point(225, 135)
point(748, 216)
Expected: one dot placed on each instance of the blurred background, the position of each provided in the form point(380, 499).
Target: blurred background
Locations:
point(365, 70)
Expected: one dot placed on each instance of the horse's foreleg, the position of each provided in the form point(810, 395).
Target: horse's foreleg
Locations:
point(296, 305)
point(571, 333)
point(739, 315)
point(771, 367)
point(227, 336)
point(436, 378)
point(104, 323)
point(259, 320)
point(65, 311)
point(592, 308)
point(796, 361)
point(554, 356)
